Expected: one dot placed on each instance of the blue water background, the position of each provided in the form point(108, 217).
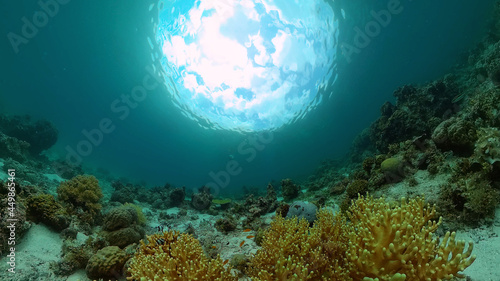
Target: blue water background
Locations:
point(92, 52)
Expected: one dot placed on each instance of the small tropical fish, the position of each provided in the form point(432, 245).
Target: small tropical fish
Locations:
point(247, 230)
point(226, 261)
point(250, 236)
point(242, 242)
point(160, 228)
point(214, 247)
point(458, 97)
point(160, 241)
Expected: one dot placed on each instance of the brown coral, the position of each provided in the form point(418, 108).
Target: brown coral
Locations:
point(289, 189)
point(81, 192)
point(44, 208)
point(106, 263)
point(121, 225)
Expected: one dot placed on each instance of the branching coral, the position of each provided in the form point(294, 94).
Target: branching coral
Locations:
point(385, 240)
point(382, 241)
point(293, 251)
point(175, 257)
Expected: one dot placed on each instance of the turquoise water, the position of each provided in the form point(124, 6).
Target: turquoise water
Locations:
point(248, 66)
point(76, 68)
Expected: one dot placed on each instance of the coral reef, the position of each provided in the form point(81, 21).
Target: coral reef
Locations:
point(356, 187)
point(226, 201)
point(106, 263)
point(225, 224)
point(417, 111)
point(44, 208)
point(11, 147)
point(28, 173)
point(19, 225)
point(282, 209)
point(468, 198)
point(176, 196)
point(121, 226)
point(483, 107)
point(123, 193)
point(353, 190)
point(455, 134)
point(40, 134)
point(253, 208)
point(201, 200)
point(66, 171)
point(174, 256)
point(382, 241)
point(362, 147)
point(76, 254)
point(289, 190)
point(159, 197)
point(81, 195)
point(488, 145)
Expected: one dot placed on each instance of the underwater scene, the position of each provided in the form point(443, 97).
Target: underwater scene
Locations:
point(344, 140)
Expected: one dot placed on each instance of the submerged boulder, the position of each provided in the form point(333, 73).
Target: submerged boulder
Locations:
point(302, 209)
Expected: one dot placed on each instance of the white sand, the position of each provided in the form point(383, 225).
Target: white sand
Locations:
point(487, 249)
point(34, 252)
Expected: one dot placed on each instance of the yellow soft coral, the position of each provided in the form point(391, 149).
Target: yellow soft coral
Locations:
point(293, 251)
point(175, 257)
point(385, 240)
point(382, 242)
